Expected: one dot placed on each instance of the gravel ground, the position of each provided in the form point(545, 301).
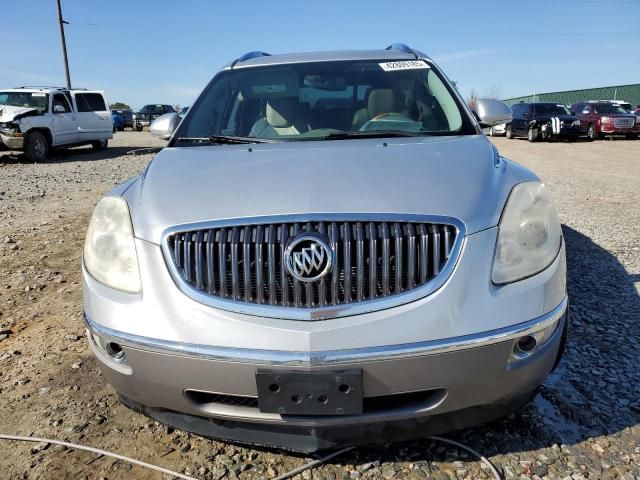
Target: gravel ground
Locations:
point(584, 423)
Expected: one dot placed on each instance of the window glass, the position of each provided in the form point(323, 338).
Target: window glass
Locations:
point(550, 109)
point(90, 102)
point(37, 100)
point(61, 100)
point(312, 100)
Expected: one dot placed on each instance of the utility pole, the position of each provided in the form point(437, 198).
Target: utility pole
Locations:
point(61, 23)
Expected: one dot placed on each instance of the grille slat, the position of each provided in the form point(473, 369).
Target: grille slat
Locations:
point(397, 233)
point(271, 255)
point(386, 259)
point(435, 249)
point(371, 259)
point(346, 245)
point(259, 265)
point(210, 262)
point(359, 262)
point(235, 276)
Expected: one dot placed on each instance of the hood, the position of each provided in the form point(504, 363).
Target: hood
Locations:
point(452, 176)
point(9, 113)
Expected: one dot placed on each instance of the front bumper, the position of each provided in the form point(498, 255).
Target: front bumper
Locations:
point(12, 142)
point(463, 382)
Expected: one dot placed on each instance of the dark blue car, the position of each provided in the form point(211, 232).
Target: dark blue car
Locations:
point(118, 120)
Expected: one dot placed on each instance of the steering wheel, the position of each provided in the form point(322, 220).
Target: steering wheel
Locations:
point(382, 115)
point(391, 116)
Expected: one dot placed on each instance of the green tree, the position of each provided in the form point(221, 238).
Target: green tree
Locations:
point(119, 106)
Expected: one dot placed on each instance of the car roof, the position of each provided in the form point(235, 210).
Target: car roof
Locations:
point(48, 89)
point(328, 56)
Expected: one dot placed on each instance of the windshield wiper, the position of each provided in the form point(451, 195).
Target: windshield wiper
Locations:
point(224, 140)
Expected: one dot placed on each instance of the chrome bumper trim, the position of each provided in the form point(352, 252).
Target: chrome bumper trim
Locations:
point(330, 357)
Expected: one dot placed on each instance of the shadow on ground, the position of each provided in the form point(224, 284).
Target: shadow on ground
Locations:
point(77, 154)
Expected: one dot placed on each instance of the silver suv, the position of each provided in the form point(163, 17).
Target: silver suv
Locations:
point(327, 251)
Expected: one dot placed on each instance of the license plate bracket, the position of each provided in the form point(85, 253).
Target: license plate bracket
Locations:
point(335, 392)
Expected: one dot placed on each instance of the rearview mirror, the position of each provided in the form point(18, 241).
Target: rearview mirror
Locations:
point(164, 126)
point(492, 112)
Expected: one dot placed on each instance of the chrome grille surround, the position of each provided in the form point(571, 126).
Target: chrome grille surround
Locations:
point(623, 122)
point(223, 284)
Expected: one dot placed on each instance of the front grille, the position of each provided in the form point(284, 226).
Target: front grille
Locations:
point(371, 260)
point(623, 122)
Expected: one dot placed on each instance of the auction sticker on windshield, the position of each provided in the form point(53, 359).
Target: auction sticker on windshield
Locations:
point(403, 65)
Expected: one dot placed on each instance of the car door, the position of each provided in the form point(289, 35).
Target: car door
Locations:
point(65, 122)
point(517, 123)
point(94, 118)
point(584, 116)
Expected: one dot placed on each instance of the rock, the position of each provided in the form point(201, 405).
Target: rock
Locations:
point(44, 390)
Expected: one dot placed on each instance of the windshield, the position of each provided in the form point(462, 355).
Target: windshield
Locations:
point(310, 101)
point(608, 108)
point(550, 109)
point(26, 99)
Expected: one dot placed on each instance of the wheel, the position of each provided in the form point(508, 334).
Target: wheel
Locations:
point(591, 132)
point(100, 144)
point(491, 132)
point(508, 132)
point(533, 134)
point(138, 128)
point(36, 147)
point(115, 129)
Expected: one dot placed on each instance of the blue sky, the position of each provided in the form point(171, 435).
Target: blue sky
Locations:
point(145, 51)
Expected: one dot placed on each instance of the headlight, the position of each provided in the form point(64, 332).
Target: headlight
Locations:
point(605, 119)
point(529, 235)
point(575, 123)
point(109, 249)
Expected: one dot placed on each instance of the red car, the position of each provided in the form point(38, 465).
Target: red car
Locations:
point(605, 118)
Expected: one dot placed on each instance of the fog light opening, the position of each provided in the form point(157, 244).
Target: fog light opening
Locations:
point(114, 350)
point(526, 344)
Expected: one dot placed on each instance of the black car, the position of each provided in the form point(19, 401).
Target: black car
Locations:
point(149, 113)
point(542, 121)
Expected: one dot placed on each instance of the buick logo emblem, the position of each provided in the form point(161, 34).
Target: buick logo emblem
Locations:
point(308, 257)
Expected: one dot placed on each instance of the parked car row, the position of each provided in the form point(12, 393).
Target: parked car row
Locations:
point(593, 119)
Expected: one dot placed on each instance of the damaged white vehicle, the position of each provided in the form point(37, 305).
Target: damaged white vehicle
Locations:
point(37, 119)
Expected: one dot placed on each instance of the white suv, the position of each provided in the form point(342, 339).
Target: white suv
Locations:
point(35, 119)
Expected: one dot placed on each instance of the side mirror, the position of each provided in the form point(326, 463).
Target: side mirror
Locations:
point(59, 109)
point(492, 112)
point(164, 126)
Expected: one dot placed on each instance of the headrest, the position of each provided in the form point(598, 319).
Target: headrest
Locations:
point(280, 111)
point(381, 100)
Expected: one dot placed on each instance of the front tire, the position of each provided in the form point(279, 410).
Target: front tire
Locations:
point(533, 135)
point(36, 147)
point(591, 132)
point(99, 144)
point(508, 132)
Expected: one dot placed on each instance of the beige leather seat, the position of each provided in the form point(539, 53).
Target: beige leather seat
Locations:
point(379, 100)
point(283, 116)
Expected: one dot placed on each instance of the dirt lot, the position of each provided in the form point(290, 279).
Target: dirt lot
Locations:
point(583, 424)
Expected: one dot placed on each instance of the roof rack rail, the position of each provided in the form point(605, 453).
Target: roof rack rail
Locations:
point(48, 86)
point(401, 47)
point(249, 55)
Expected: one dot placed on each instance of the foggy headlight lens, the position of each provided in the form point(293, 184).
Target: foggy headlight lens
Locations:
point(109, 249)
point(529, 235)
